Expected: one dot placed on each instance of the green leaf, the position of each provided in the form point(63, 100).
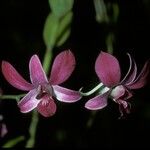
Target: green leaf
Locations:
point(101, 11)
point(32, 130)
point(56, 31)
point(64, 28)
point(13, 142)
point(61, 7)
point(115, 12)
point(64, 23)
point(63, 38)
point(109, 42)
point(50, 30)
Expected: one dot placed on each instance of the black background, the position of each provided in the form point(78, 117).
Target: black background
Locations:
point(21, 36)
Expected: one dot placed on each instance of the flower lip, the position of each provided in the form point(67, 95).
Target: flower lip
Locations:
point(47, 106)
point(44, 90)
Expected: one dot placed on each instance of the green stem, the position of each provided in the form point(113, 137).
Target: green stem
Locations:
point(91, 119)
point(32, 130)
point(91, 91)
point(11, 143)
point(15, 97)
point(101, 11)
point(109, 42)
point(47, 59)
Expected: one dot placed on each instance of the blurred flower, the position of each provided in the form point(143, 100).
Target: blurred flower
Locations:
point(42, 90)
point(108, 70)
point(1, 91)
point(3, 129)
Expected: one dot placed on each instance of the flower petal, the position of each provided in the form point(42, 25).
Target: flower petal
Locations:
point(37, 74)
point(131, 74)
point(97, 102)
point(117, 92)
point(62, 67)
point(29, 102)
point(142, 78)
point(66, 95)
point(108, 69)
point(47, 108)
point(14, 78)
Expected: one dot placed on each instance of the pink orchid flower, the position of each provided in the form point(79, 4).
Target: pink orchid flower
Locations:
point(108, 70)
point(42, 90)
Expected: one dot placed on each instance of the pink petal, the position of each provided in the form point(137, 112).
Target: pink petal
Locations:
point(66, 95)
point(142, 78)
point(62, 67)
point(97, 102)
point(108, 69)
point(14, 78)
point(37, 73)
point(29, 102)
point(131, 74)
point(47, 108)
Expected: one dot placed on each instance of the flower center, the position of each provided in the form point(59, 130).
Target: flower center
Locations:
point(45, 100)
point(117, 92)
point(44, 90)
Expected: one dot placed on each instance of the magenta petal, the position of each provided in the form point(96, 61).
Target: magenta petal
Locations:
point(131, 74)
point(14, 78)
point(97, 102)
point(62, 67)
point(48, 108)
point(29, 102)
point(66, 95)
point(108, 69)
point(37, 73)
point(142, 78)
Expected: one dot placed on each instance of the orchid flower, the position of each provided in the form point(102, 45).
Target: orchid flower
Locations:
point(41, 89)
point(108, 70)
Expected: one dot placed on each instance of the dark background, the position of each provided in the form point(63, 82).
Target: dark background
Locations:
point(21, 30)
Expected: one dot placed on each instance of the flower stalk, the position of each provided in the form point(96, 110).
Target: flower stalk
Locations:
point(91, 91)
point(47, 59)
point(15, 97)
